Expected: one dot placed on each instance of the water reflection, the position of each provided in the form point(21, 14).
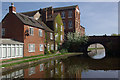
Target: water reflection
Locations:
point(72, 67)
point(96, 51)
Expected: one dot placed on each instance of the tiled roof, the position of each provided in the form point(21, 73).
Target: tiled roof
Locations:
point(29, 21)
point(63, 8)
point(45, 26)
point(30, 13)
point(9, 41)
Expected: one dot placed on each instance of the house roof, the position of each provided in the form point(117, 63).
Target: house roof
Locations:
point(67, 7)
point(30, 13)
point(32, 22)
point(45, 26)
point(28, 21)
point(9, 41)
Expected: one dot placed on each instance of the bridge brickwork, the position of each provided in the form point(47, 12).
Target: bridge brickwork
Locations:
point(110, 43)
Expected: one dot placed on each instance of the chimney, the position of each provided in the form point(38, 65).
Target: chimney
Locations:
point(12, 9)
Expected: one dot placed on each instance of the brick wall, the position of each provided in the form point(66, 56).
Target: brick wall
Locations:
point(35, 39)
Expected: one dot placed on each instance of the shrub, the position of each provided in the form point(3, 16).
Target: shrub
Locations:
point(46, 51)
point(53, 51)
point(63, 51)
point(75, 42)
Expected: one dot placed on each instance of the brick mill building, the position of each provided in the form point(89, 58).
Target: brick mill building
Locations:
point(71, 19)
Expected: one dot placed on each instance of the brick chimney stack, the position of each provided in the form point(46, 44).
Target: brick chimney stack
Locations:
point(12, 9)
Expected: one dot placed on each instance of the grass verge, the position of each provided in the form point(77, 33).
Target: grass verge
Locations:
point(35, 59)
point(14, 59)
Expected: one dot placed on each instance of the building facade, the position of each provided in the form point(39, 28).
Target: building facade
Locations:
point(24, 29)
point(71, 19)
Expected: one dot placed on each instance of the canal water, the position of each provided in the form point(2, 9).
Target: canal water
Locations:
point(80, 67)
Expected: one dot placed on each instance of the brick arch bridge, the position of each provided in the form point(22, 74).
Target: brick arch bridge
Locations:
point(110, 43)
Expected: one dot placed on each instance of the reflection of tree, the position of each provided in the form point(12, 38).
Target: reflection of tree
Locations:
point(73, 67)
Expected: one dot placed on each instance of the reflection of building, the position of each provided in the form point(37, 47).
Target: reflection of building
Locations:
point(35, 72)
point(16, 74)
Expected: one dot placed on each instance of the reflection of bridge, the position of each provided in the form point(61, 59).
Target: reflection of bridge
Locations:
point(110, 43)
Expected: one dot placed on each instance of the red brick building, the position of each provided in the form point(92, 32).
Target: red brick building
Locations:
point(24, 29)
point(71, 19)
point(53, 21)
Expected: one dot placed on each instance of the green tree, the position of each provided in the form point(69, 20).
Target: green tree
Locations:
point(75, 42)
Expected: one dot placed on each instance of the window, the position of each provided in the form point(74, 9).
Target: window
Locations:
point(70, 24)
point(70, 14)
point(56, 26)
point(3, 31)
point(51, 35)
point(31, 31)
point(56, 47)
point(52, 47)
point(31, 47)
point(48, 47)
point(63, 14)
point(31, 70)
point(41, 47)
point(40, 32)
point(56, 36)
point(61, 37)
point(61, 27)
point(41, 67)
point(64, 24)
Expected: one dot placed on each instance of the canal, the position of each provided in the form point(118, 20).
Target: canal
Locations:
point(80, 67)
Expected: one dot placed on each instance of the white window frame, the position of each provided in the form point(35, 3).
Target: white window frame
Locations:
point(31, 31)
point(3, 31)
point(70, 14)
point(56, 26)
point(52, 46)
point(61, 28)
point(29, 47)
point(31, 70)
point(51, 36)
point(40, 33)
point(48, 46)
point(56, 47)
point(56, 36)
point(41, 67)
point(41, 47)
point(61, 37)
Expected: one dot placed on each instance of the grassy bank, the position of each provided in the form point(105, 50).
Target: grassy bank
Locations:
point(34, 59)
point(89, 49)
point(14, 59)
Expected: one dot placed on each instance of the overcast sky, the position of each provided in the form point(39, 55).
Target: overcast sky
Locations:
point(98, 18)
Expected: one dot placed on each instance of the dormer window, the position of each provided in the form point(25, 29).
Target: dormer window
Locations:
point(31, 31)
